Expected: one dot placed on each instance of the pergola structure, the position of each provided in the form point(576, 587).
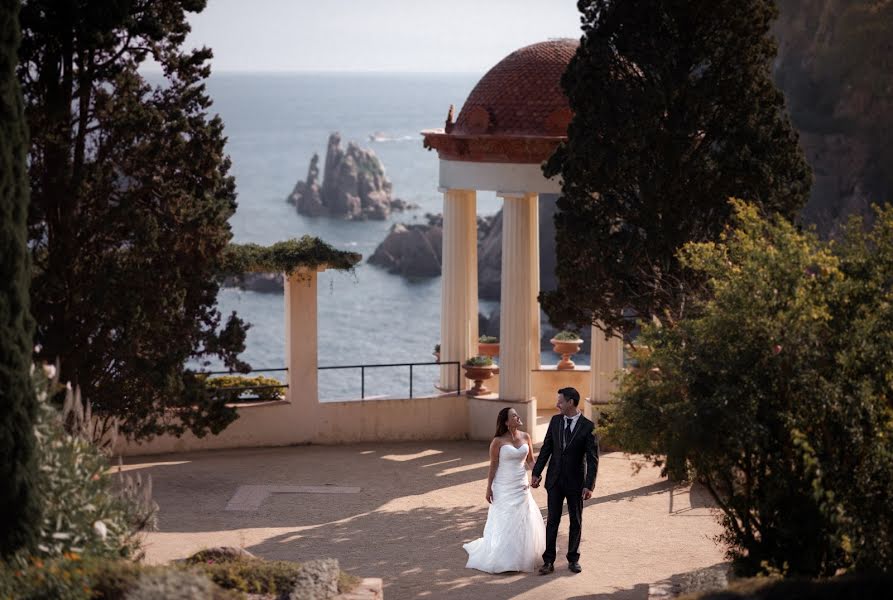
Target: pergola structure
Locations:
point(512, 121)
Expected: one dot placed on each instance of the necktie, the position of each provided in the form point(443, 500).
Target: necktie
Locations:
point(567, 429)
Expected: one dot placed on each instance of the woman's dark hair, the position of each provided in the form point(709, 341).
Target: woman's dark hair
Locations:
point(502, 420)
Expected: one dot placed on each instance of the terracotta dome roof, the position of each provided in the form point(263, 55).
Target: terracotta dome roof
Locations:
point(521, 95)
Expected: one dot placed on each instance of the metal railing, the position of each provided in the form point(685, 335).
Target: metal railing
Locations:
point(363, 368)
point(238, 397)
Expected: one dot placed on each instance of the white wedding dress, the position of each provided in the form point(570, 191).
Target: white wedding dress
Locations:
point(514, 536)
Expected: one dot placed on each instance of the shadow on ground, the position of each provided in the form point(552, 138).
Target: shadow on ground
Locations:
point(418, 503)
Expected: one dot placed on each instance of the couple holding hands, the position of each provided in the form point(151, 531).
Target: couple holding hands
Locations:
point(514, 536)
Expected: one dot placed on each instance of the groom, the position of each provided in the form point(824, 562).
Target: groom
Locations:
point(571, 448)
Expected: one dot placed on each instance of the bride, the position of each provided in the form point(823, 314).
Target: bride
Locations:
point(514, 536)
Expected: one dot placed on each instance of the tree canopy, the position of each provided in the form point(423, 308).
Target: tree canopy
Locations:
point(774, 393)
point(131, 197)
point(674, 113)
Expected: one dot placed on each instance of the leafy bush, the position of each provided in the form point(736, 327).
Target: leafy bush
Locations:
point(316, 578)
point(488, 339)
point(850, 587)
point(257, 387)
point(86, 510)
point(567, 336)
point(76, 577)
point(479, 361)
point(774, 393)
point(68, 577)
point(253, 576)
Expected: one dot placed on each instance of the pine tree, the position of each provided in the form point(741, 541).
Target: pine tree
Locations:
point(131, 197)
point(18, 466)
point(674, 113)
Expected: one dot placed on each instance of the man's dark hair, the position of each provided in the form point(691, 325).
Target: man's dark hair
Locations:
point(571, 394)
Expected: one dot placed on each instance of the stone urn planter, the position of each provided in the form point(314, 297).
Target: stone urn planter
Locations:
point(566, 343)
point(488, 346)
point(479, 369)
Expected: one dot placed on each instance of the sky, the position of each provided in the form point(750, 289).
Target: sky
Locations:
point(375, 35)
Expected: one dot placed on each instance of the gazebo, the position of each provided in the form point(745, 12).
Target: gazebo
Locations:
point(512, 121)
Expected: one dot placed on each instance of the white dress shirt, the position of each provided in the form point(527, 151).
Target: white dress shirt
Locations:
point(573, 419)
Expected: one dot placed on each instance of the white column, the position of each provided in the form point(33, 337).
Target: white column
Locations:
point(301, 356)
point(607, 358)
point(459, 284)
point(519, 346)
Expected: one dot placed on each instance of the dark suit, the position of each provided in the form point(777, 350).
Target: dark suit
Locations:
point(573, 462)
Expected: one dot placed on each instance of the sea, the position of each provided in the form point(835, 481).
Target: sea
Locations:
point(274, 124)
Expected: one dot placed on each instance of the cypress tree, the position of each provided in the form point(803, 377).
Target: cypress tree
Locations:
point(18, 465)
point(675, 112)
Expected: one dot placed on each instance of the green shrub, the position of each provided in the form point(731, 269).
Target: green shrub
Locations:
point(774, 393)
point(488, 339)
point(258, 388)
point(86, 510)
point(479, 361)
point(847, 587)
point(75, 577)
point(567, 336)
point(258, 576)
point(68, 577)
point(253, 576)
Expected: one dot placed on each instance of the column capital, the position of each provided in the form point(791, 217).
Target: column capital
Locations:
point(504, 194)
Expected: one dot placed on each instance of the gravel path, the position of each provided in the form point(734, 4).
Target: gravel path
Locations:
point(416, 504)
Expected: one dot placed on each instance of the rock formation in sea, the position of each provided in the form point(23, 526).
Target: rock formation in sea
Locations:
point(415, 250)
point(412, 250)
point(353, 185)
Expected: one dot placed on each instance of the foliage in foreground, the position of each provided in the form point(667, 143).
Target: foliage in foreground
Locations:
point(674, 112)
point(775, 394)
point(76, 577)
point(851, 587)
point(86, 509)
point(18, 467)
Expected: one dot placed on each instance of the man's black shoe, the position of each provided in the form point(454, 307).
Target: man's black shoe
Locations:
point(575, 567)
point(547, 568)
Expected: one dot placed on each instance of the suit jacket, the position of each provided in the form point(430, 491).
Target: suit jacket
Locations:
point(571, 462)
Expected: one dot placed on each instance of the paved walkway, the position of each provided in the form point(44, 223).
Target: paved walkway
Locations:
point(416, 504)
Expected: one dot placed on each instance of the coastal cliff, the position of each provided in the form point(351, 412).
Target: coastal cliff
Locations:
point(835, 68)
